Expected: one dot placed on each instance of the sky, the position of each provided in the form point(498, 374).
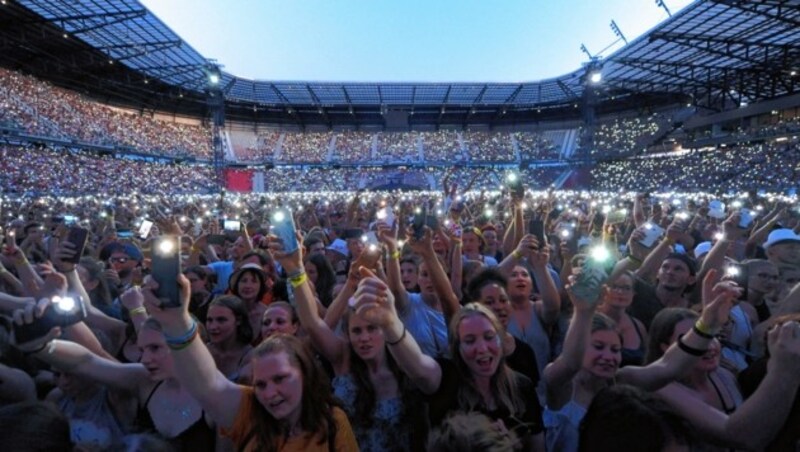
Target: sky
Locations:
point(406, 40)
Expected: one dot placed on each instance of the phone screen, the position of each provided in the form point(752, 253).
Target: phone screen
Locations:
point(652, 232)
point(144, 229)
point(283, 227)
point(233, 226)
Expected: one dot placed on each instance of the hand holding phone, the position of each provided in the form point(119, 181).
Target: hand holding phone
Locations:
point(283, 227)
point(78, 237)
point(60, 312)
point(652, 232)
point(166, 266)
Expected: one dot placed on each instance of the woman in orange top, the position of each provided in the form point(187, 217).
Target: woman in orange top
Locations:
point(290, 406)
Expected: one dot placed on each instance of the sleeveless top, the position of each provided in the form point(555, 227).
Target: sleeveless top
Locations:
point(198, 437)
point(426, 325)
point(536, 337)
point(92, 423)
point(634, 356)
point(388, 431)
point(561, 427)
point(735, 346)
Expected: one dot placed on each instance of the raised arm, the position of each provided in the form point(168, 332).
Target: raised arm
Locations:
point(331, 346)
point(550, 306)
point(375, 304)
point(194, 365)
point(558, 375)
point(718, 299)
point(388, 236)
point(756, 422)
point(441, 284)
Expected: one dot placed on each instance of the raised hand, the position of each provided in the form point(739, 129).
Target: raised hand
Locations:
point(374, 301)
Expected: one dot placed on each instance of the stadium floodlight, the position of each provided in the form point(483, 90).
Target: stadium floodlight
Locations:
point(213, 78)
point(596, 77)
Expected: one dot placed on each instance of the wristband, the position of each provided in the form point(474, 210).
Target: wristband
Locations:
point(517, 255)
point(178, 342)
point(634, 259)
point(295, 273)
point(188, 342)
point(669, 241)
point(137, 311)
point(702, 330)
point(22, 260)
point(690, 350)
point(395, 254)
point(402, 336)
point(298, 280)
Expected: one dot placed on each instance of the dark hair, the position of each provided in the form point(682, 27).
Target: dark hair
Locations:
point(244, 331)
point(260, 276)
point(690, 263)
point(661, 330)
point(622, 414)
point(317, 404)
point(326, 278)
point(34, 427)
point(484, 278)
point(286, 307)
point(263, 258)
point(201, 273)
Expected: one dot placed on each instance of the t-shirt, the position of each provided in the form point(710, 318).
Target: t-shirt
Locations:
point(238, 433)
point(223, 270)
point(445, 400)
point(523, 360)
point(645, 304)
point(426, 325)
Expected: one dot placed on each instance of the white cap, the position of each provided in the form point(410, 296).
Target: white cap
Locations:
point(781, 235)
point(701, 249)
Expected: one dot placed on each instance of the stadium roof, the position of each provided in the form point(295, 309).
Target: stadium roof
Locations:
point(719, 52)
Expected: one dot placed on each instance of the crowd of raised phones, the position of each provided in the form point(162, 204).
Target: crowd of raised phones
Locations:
point(463, 319)
point(476, 316)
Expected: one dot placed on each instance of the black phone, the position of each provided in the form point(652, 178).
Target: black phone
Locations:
point(738, 273)
point(166, 266)
point(536, 228)
point(216, 239)
point(62, 312)
point(418, 225)
point(78, 237)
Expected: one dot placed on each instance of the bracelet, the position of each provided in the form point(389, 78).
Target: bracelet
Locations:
point(702, 330)
point(298, 280)
point(296, 273)
point(517, 255)
point(690, 350)
point(183, 345)
point(396, 254)
point(178, 341)
point(402, 336)
point(669, 241)
point(634, 259)
point(137, 311)
point(22, 260)
point(456, 241)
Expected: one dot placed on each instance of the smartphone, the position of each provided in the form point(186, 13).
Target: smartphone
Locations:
point(617, 216)
point(78, 237)
point(371, 241)
point(166, 266)
point(515, 185)
point(386, 215)
point(216, 239)
point(652, 232)
point(124, 234)
point(232, 225)
point(144, 229)
point(589, 282)
point(746, 217)
point(70, 220)
point(418, 223)
point(536, 228)
point(63, 312)
point(716, 209)
point(283, 227)
point(738, 273)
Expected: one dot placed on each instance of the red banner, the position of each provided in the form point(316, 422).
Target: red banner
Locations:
point(239, 180)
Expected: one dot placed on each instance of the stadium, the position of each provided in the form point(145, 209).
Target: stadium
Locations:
point(649, 187)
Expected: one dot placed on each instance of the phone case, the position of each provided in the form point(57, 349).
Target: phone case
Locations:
point(77, 237)
point(165, 270)
point(652, 233)
point(50, 318)
point(285, 230)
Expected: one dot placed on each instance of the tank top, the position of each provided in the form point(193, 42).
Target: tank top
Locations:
point(561, 427)
point(198, 437)
point(634, 356)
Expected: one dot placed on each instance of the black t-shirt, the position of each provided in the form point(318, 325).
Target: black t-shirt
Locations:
point(523, 360)
point(445, 401)
point(645, 304)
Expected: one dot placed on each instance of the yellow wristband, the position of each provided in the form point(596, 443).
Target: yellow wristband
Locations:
point(298, 280)
point(703, 329)
point(516, 254)
point(137, 311)
point(396, 254)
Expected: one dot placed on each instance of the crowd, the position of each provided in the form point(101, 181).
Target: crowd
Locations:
point(442, 146)
point(625, 136)
point(769, 165)
point(483, 146)
point(399, 147)
point(33, 171)
point(353, 147)
point(305, 147)
point(252, 147)
point(41, 108)
point(477, 316)
point(535, 146)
